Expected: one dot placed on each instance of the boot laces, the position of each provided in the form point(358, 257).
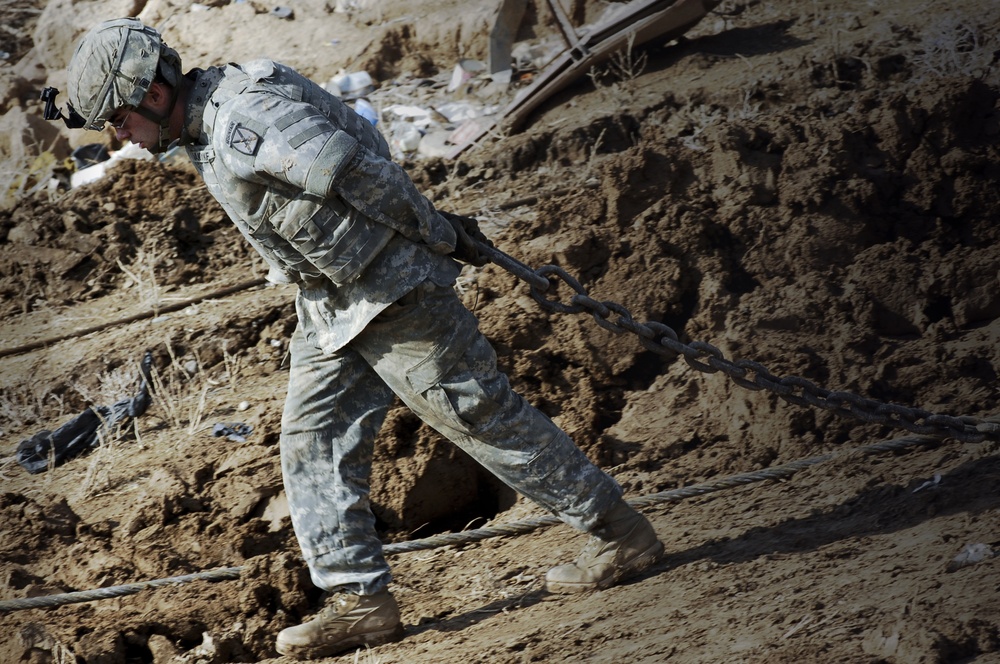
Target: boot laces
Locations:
point(335, 607)
point(592, 551)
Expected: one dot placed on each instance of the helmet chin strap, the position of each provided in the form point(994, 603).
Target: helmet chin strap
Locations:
point(162, 120)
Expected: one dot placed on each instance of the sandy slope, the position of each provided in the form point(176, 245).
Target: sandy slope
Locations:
point(812, 188)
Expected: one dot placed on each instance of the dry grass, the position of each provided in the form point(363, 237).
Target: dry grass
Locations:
point(953, 46)
point(233, 365)
point(24, 175)
point(368, 657)
point(36, 638)
point(181, 390)
point(625, 65)
point(692, 120)
point(26, 404)
point(180, 395)
point(101, 462)
point(117, 384)
point(142, 278)
point(121, 383)
point(7, 464)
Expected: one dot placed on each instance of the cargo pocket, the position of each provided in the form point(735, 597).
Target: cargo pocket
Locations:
point(475, 397)
point(453, 338)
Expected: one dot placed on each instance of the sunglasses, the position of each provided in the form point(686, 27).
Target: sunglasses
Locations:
point(118, 124)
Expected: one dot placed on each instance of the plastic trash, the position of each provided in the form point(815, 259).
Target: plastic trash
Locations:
point(89, 155)
point(52, 448)
point(364, 108)
point(435, 144)
point(415, 115)
point(283, 12)
point(458, 111)
point(972, 554)
point(97, 171)
point(405, 137)
point(236, 432)
point(352, 85)
point(464, 71)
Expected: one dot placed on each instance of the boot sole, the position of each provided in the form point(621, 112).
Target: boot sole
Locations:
point(367, 639)
point(641, 562)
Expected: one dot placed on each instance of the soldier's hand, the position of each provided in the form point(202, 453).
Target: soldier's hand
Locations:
point(469, 239)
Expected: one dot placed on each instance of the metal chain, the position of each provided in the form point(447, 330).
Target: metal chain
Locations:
point(663, 340)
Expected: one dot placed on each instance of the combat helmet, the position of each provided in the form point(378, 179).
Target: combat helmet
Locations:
point(113, 67)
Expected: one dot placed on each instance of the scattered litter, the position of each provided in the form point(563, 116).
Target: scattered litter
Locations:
point(351, 85)
point(466, 132)
point(932, 483)
point(4, 55)
point(415, 115)
point(364, 108)
point(243, 405)
point(972, 554)
point(283, 12)
point(405, 137)
point(206, 649)
point(346, 6)
point(97, 171)
point(458, 111)
point(236, 432)
point(89, 155)
point(532, 57)
point(434, 144)
point(464, 72)
point(48, 449)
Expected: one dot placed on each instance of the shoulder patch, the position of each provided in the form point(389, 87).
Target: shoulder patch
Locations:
point(242, 138)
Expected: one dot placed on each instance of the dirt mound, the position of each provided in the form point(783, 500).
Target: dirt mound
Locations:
point(813, 190)
point(143, 220)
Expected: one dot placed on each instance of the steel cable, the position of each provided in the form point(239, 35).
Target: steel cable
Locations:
point(478, 534)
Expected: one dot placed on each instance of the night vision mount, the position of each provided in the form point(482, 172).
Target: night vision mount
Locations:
point(52, 112)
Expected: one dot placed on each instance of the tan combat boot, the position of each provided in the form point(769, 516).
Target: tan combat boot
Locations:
point(622, 546)
point(347, 621)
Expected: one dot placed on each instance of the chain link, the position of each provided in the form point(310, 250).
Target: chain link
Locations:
point(663, 340)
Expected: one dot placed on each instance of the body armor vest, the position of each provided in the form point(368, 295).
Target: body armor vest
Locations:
point(306, 180)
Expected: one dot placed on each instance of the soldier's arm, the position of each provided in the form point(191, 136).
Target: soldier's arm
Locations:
point(263, 135)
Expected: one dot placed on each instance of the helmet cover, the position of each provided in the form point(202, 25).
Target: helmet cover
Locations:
point(114, 65)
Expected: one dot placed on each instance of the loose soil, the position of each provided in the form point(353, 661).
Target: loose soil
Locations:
point(811, 187)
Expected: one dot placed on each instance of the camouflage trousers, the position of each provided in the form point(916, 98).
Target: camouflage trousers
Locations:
point(428, 350)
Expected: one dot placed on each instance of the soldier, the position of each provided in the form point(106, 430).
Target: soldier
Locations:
point(313, 188)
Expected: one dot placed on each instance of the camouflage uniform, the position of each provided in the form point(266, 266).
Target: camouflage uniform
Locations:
point(312, 187)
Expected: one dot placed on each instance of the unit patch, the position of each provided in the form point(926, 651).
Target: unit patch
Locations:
point(243, 139)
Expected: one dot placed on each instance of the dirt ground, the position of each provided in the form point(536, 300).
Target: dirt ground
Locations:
point(810, 185)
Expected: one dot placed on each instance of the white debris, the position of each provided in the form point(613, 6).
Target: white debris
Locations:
point(929, 483)
point(364, 108)
point(351, 84)
point(404, 137)
point(97, 171)
point(458, 111)
point(435, 144)
point(415, 115)
point(972, 554)
point(464, 72)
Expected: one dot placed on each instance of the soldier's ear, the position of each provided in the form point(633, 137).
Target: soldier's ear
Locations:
point(158, 94)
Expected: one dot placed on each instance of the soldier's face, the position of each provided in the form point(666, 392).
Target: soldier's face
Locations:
point(136, 127)
point(139, 130)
